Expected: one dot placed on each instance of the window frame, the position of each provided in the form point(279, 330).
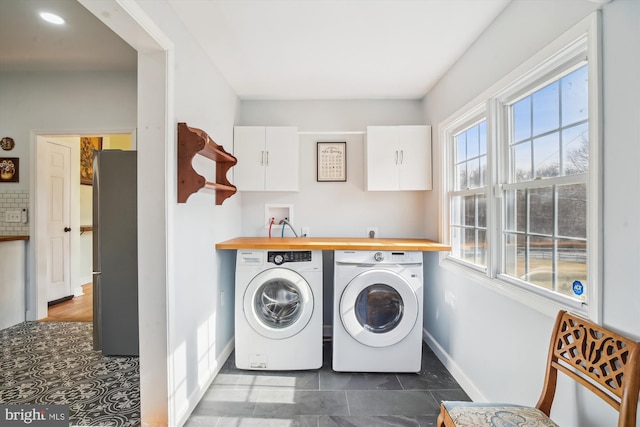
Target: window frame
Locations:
point(565, 54)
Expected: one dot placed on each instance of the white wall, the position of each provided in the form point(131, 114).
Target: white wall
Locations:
point(63, 101)
point(199, 321)
point(486, 337)
point(335, 209)
point(59, 102)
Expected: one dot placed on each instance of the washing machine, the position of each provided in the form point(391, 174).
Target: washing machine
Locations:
point(377, 311)
point(278, 310)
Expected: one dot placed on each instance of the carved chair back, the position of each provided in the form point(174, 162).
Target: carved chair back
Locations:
point(603, 361)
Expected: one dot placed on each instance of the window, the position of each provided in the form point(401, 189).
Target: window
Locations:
point(545, 197)
point(468, 199)
point(521, 178)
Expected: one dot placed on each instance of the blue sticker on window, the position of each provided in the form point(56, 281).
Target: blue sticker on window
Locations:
point(578, 288)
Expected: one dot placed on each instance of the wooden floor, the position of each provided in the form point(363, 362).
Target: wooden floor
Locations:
point(78, 309)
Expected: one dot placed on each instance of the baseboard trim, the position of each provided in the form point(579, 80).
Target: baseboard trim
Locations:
point(197, 395)
point(467, 385)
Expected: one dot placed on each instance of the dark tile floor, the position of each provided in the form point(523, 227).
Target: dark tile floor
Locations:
point(324, 398)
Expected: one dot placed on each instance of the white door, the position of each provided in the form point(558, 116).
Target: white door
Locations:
point(281, 162)
point(382, 158)
point(249, 149)
point(414, 157)
point(58, 198)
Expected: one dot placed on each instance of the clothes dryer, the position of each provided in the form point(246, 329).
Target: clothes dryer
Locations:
point(377, 321)
point(278, 310)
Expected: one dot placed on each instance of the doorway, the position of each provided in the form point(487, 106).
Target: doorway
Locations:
point(69, 258)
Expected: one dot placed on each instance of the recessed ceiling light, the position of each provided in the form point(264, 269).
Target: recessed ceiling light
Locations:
point(52, 18)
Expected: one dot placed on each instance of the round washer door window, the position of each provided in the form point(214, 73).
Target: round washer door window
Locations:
point(378, 308)
point(278, 303)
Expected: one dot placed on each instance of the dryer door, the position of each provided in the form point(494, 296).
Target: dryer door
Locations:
point(278, 303)
point(379, 308)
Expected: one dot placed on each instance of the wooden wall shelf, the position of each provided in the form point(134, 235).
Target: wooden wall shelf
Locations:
point(192, 141)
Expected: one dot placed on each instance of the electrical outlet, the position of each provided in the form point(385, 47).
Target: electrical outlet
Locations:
point(12, 216)
point(372, 232)
point(306, 231)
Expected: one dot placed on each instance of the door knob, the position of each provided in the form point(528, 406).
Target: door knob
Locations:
point(67, 229)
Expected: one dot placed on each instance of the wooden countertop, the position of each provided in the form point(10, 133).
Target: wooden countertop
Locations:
point(333, 243)
point(13, 238)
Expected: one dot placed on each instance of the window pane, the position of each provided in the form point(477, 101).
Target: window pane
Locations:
point(456, 242)
point(521, 157)
point(461, 176)
point(575, 148)
point(522, 119)
point(546, 155)
point(483, 171)
point(540, 271)
point(482, 130)
point(516, 203)
point(473, 142)
point(461, 147)
point(469, 211)
point(473, 169)
point(572, 266)
point(572, 210)
point(546, 109)
point(541, 210)
point(456, 210)
point(469, 245)
point(515, 255)
point(575, 97)
point(481, 202)
point(481, 253)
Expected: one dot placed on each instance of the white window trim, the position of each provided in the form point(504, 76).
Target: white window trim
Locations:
point(583, 36)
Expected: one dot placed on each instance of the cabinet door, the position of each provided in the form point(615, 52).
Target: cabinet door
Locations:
point(381, 159)
point(249, 149)
point(281, 160)
point(414, 143)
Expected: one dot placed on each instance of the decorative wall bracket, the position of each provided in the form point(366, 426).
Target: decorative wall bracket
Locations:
point(192, 141)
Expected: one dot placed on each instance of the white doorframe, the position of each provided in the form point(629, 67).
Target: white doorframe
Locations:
point(157, 175)
point(36, 289)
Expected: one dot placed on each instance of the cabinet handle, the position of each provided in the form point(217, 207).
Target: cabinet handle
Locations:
point(267, 158)
point(401, 156)
point(262, 158)
point(396, 157)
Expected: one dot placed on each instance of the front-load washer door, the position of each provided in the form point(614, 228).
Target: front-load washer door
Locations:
point(278, 303)
point(378, 308)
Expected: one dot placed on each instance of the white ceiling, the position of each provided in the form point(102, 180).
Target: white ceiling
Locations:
point(27, 43)
point(273, 49)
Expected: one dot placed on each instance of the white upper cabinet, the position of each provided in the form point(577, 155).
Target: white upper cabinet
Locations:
point(398, 158)
point(267, 158)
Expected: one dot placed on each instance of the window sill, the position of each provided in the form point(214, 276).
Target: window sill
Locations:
point(543, 304)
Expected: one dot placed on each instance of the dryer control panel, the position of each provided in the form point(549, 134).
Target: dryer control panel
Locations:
point(281, 257)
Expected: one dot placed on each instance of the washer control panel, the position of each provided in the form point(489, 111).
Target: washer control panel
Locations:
point(279, 257)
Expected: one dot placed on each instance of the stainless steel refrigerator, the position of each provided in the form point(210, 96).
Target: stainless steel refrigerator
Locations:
point(115, 253)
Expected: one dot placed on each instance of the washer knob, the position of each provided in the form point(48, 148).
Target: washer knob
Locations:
point(378, 256)
point(278, 259)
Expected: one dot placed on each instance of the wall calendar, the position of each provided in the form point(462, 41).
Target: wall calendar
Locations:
point(332, 161)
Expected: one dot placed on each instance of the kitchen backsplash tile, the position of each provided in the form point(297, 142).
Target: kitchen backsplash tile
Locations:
point(13, 200)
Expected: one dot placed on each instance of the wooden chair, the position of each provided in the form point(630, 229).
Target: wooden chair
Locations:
point(604, 362)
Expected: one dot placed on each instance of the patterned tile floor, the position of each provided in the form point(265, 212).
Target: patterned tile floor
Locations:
point(324, 398)
point(48, 363)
